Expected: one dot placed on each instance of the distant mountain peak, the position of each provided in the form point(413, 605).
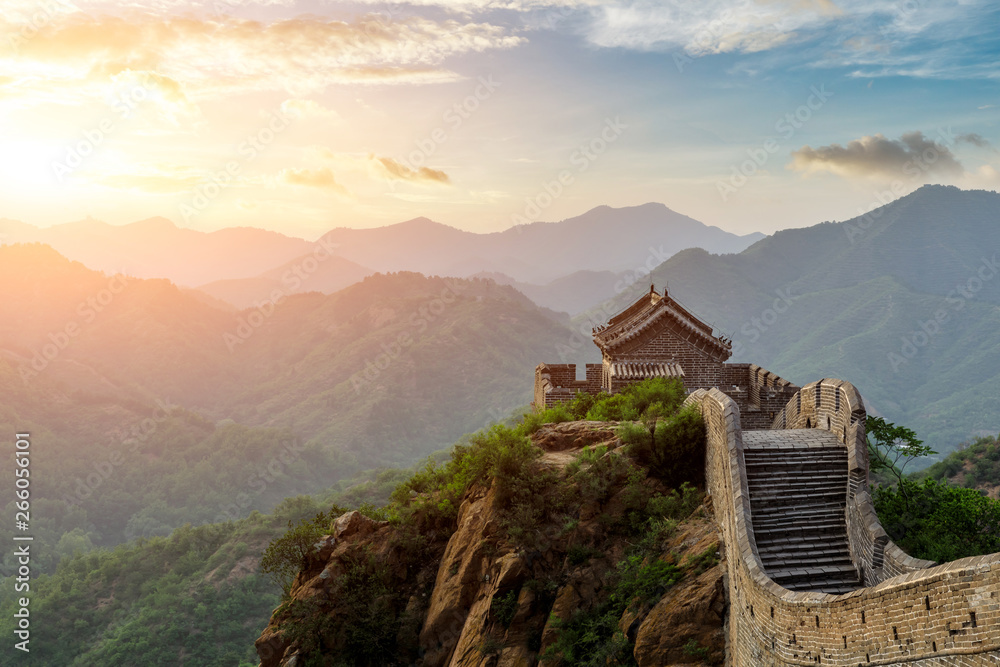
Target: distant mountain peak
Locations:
point(422, 223)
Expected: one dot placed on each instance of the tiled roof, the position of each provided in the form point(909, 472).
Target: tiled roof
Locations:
point(647, 311)
point(639, 370)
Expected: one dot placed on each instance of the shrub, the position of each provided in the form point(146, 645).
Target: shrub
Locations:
point(937, 521)
point(617, 407)
point(674, 450)
point(533, 421)
point(676, 505)
point(286, 555)
point(591, 637)
point(363, 626)
point(504, 608)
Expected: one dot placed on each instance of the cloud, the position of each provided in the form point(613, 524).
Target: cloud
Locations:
point(321, 178)
point(879, 157)
point(709, 27)
point(974, 139)
point(396, 171)
point(222, 55)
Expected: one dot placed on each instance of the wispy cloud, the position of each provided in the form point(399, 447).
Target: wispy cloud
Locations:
point(393, 170)
point(322, 178)
point(974, 139)
point(222, 55)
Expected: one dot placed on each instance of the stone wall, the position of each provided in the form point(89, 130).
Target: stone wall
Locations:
point(929, 617)
point(759, 393)
point(555, 383)
point(836, 406)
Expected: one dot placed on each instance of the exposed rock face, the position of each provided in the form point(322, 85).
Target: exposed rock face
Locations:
point(479, 601)
point(574, 435)
point(352, 534)
point(686, 626)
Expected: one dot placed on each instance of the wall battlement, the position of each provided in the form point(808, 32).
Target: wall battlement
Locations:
point(556, 383)
point(910, 612)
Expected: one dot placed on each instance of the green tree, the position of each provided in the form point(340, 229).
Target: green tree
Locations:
point(891, 448)
point(937, 521)
point(286, 555)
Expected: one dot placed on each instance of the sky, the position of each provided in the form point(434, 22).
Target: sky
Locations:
point(301, 116)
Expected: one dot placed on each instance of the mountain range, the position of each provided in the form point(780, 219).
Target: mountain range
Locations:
point(244, 265)
point(904, 302)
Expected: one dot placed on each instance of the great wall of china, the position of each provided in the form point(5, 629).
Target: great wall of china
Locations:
point(907, 612)
point(813, 577)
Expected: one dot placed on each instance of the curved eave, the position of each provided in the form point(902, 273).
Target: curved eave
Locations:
point(611, 339)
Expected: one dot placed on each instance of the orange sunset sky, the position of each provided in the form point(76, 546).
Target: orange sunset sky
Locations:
point(300, 116)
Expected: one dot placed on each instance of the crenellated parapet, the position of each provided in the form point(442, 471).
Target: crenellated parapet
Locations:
point(557, 383)
point(910, 612)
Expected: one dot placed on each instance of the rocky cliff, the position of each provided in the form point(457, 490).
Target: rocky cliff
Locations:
point(590, 561)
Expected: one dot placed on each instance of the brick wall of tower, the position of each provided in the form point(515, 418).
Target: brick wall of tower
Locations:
point(702, 367)
point(557, 383)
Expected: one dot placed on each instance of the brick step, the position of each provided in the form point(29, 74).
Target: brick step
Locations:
point(780, 534)
point(830, 588)
point(763, 499)
point(764, 523)
point(793, 541)
point(797, 501)
point(834, 574)
point(810, 454)
point(778, 567)
point(773, 554)
point(792, 536)
point(792, 549)
point(788, 486)
point(795, 464)
point(780, 458)
point(837, 504)
point(849, 581)
point(768, 521)
point(785, 565)
point(768, 474)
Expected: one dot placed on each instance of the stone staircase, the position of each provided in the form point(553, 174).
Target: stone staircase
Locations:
point(798, 491)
